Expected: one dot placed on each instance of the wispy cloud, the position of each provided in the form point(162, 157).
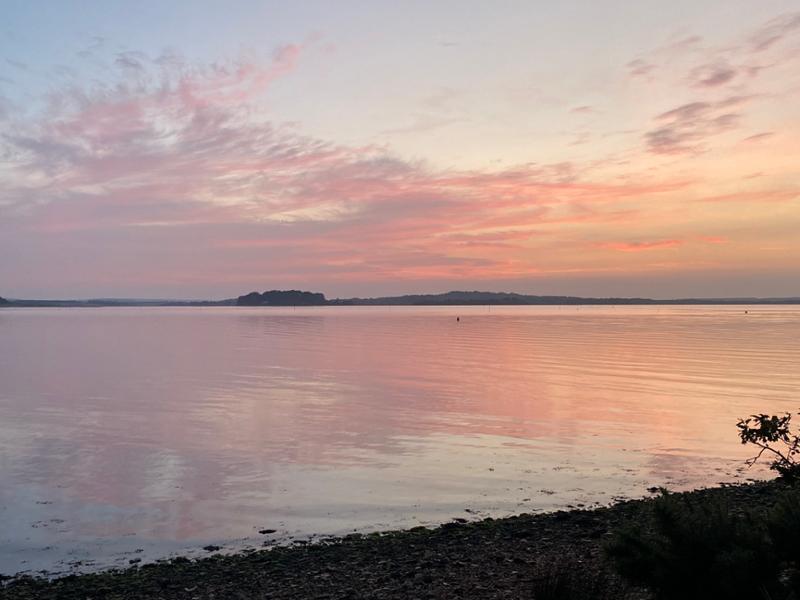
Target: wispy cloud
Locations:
point(686, 128)
point(640, 246)
point(181, 157)
point(639, 67)
point(718, 82)
point(774, 31)
point(757, 137)
point(130, 60)
point(17, 64)
point(713, 74)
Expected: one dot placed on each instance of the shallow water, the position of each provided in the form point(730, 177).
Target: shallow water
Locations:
point(134, 433)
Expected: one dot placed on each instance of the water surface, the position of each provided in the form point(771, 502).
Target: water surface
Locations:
point(130, 433)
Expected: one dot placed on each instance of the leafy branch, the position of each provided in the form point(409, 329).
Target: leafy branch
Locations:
point(773, 434)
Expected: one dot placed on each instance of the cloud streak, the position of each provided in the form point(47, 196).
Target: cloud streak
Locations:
point(713, 75)
point(640, 246)
point(687, 128)
point(776, 30)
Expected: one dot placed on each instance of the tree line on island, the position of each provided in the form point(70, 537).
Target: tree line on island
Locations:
point(461, 298)
point(300, 298)
point(282, 298)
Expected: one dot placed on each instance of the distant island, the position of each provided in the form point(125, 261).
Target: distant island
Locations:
point(109, 302)
point(454, 298)
point(474, 298)
point(282, 298)
point(507, 299)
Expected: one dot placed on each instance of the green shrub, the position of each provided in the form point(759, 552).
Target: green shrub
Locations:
point(696, 548)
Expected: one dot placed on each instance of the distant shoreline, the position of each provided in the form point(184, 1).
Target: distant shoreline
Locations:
point(296, 298)
point(200, 304)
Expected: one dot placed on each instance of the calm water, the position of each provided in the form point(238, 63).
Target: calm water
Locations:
point(136, 433)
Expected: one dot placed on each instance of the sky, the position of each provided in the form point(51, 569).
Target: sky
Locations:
point(206, 149)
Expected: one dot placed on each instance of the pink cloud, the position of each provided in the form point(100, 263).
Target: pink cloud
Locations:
point(173, 172)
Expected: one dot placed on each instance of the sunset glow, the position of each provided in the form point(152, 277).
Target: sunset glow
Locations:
point(378, 148)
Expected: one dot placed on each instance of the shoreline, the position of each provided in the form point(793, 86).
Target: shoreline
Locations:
point(492, 558)
point(746, 302)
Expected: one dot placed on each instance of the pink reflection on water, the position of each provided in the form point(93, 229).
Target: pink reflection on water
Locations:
point(127, 428)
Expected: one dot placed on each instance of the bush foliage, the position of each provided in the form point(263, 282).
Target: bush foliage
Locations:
point(567, 579)
point(773, 434)
point(690, 549)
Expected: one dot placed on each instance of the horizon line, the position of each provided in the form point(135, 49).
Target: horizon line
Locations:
point(401, 295)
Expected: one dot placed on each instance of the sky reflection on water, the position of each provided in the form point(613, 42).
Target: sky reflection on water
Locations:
point(139, 432)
